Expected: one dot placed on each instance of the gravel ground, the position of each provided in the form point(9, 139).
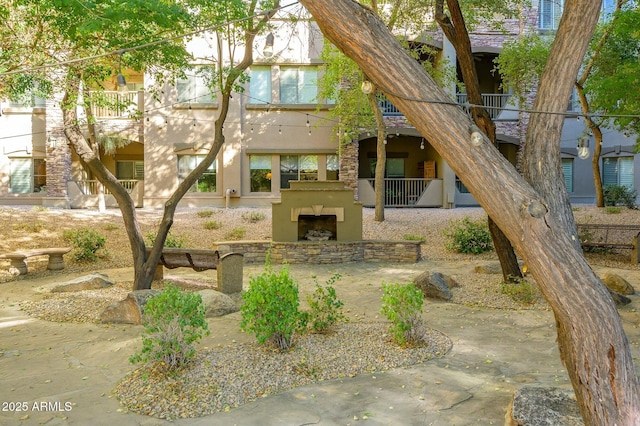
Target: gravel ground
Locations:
point(223, 378)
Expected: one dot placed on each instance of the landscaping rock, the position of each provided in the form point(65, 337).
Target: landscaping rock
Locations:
point(618, 284)
point(619, 299)
point(217, 304)
point(488, 268)
point(533, 406)
point(93, 281)
point(129, 310)
point(435, 285)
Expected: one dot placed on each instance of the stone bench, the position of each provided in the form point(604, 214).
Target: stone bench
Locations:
point(19, 258)
point(229, 266)
point(597, 235)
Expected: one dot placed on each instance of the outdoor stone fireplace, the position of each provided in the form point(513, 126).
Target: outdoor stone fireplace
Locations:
point(317, 211)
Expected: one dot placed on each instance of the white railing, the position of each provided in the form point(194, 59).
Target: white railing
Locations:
point(90, 187)
point(402, 192)
point(116, 104)
point(494, 102)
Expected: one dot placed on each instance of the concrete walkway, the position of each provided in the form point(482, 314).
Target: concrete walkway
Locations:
point(44, 365)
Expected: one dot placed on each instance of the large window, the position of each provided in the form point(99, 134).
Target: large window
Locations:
point(28, 175)
point(298, 85)
point(260, 173)
point(549, 14)
point(206, 182)
point(297, 167)
point(394, 167)
point(333, 167)
point(617, 171)
point(260, 85)
point(567, 170)
point(130, 170)
point(193, 89)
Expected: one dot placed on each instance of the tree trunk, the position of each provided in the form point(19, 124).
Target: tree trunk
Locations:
point(455, 30)
point(597, 150)
point(381, 156)
point(591, 339)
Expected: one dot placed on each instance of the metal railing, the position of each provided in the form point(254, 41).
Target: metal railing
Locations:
point(90, 187)
point(494, 102)
point(115, 104)
point(402, 192)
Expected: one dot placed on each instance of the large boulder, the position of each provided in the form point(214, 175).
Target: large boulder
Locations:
point(537, 406)
point(617, 284)
point(129, 310)
point(435, 285)
point(93, 281)
point(488, 268)
point(217, 304)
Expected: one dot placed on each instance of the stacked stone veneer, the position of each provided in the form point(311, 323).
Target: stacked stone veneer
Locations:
point(323, 252)
point(349, 166)
point(58, 157)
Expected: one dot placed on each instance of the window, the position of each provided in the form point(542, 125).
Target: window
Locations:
point(206, 182)
point(260, 173)
point(193, 88)
point(297, 167)
point(394, 167)
point(28, 175)
point(549, 14)
point(298, 85)
point(130, 170)
point(617, 171)
point(260, 85)
point(333, 167)
point(567, 170)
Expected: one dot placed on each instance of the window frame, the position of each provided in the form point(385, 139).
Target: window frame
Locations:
point(301, 80)
point(196, 86)
point(257, 174)
point(37, 182)
point(195, 188)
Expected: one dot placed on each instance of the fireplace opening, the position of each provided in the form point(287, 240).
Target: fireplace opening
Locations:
point(317, 228)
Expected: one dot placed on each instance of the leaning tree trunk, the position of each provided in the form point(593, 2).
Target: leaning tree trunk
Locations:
point(455, 30)
point(381, 156)
point(597, 149)
point(591, 339)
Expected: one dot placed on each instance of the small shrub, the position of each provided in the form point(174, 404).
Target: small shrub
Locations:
point(402, 305)
point(520, 290)
point(410, 237)
point(612, 210)
point(619, 195)
point(253, 217)
point(212, 224)
point(110, 227)
point(32, 227)
point(40, 209)
point(326, 309)
point(86, 243)
point(205, 213)
point(171, 241)
point(467, 236)
point(173, 321)
point(236, 233)
point(270, 309)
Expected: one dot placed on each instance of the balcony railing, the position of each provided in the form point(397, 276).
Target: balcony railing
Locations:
point(90, 187)
point(402, 192)
point(116, 105)
point(494, 102)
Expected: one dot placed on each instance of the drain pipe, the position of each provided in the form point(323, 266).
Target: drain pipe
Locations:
point(228, 193)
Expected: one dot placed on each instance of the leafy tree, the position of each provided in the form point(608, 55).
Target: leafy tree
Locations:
point(535, 216)
point(46, 37)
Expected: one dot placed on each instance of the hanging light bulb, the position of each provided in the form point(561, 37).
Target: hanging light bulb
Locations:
point(422, 144)
point(583, 147)
point(280, 129)
point(121, 82)
point(252, 128)
point(308, 123)
point(267, 51)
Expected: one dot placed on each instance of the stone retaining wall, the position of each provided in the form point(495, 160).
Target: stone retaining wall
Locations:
point(323, 252)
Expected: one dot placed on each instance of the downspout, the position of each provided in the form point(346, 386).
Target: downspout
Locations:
point(228, 193)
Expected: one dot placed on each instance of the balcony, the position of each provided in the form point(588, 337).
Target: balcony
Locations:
point(403, 192)
point(117, 105)
point(494, 102)
point(83, 194)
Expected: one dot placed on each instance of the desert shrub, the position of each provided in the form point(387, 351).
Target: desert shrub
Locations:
point(467, 236)
point(612, 210)
point(236, 233)
point(402, 305)
point(410, 237)
point(33, 227)
point(212, 224)
point(205, 213)
point(110, 227)
point(253, 217)
point(520, 290)
point(86, 243)
point(40, 209)
point(326, 309)
point(270, 309)
point(173, 321)
point(619, 195)
point(172, 241)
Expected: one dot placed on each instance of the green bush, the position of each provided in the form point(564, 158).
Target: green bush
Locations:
point(171, 241)
point(253, 217)
point(467, 236)
point(612, 210)
point(270, 309)
point(402, 305)
point(326, 309)
point(212, 224)
point(520, 290)
point(86, 243)
point(205, 213)
point(173, 321)
point(410, 237)
point(619, 195)
point(236, 233)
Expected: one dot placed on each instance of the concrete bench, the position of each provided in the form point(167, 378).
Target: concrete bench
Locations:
point(605, 236)
point(229, 266)
point(19, 258)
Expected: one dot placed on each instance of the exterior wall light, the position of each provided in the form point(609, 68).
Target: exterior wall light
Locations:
point(583, 148)
point(366, 87)
point(267, 51)
point(476, 135)
point(120, 80)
